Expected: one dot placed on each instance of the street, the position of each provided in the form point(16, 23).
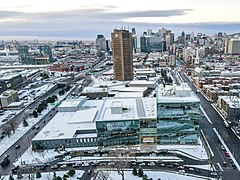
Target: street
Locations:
point(227, 135)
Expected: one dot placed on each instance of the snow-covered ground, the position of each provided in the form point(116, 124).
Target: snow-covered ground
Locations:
point(192, 151)
point(8, 114)
point(49, 175)
point(113, 175)
point(27, 98)
point(20, 131)
point(197, 151)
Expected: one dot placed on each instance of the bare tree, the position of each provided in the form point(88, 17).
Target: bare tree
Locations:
point(13, 126)
point(103, 175)
point(7, 130)
point(121, 164)
point(121, 161)
point(29, 173)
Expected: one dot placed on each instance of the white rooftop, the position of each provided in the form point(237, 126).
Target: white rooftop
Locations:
point(143, 82)
point(83, 116)
point(132, 108)
point(65, 124)
point(128, 94)
point(176, 94)
point(69, 103)
point(233, 101)
point(61, 127)
point(72, 102)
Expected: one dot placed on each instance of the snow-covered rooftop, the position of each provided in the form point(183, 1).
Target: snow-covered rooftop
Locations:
point(131, 108)
point(128, 94)
point(72, 102)
point(142, 82)
point(65, 124)
point(232, 101)
point(176, 94)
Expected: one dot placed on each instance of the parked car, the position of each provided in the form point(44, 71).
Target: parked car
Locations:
point(151, 164)
point(190, 169)
point(85, 164)
point(162, 165)
point(142, 164)
point(76, 166)
point(63, 166)
point(54, 167)
point(227, 154)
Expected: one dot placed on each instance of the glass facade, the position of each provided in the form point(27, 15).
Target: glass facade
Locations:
point(118, 132)
point(178, 122)
point(69, 143)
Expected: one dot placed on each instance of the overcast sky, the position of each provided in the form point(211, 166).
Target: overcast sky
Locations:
point(85, 19)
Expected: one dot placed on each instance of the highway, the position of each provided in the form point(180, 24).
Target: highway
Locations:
point(24, 142)
point(227, 135)
point(18, 118)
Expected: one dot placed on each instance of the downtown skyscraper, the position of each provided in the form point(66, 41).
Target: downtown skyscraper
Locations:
point(122, 55)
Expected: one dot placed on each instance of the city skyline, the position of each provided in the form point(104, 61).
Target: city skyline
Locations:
point(81, 19)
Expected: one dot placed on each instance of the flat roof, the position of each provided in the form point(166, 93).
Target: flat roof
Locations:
point(167, 95)
point(133, 108)
point(15, 104)
point(94, 89)
point(233, 101)
point(133, 89)
point(62, 127)
point(71, 102)
point(66, 125)
point(86, 115)
point(143, 82)
point(128, 94)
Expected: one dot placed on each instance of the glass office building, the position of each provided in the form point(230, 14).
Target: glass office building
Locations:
point(178, 113)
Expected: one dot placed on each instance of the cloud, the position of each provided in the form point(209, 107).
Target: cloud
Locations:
point(102, 13)
point(86, 21)
point(10, 14)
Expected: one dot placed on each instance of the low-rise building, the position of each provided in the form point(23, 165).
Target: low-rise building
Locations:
point(95, 92)
point(7, 97)
point(230, 105)
point(72, 105)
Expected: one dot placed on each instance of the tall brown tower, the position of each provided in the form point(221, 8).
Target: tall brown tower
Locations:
point(122, 55)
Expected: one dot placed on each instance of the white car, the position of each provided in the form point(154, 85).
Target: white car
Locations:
point(63, 166)
point(190, 169)
point(142, 164)
point(67, 158)
point(111, 163)
point(181, 171)
point(85, 164)
point(151, 164)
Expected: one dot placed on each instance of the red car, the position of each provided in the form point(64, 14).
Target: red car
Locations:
point(227, 154)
